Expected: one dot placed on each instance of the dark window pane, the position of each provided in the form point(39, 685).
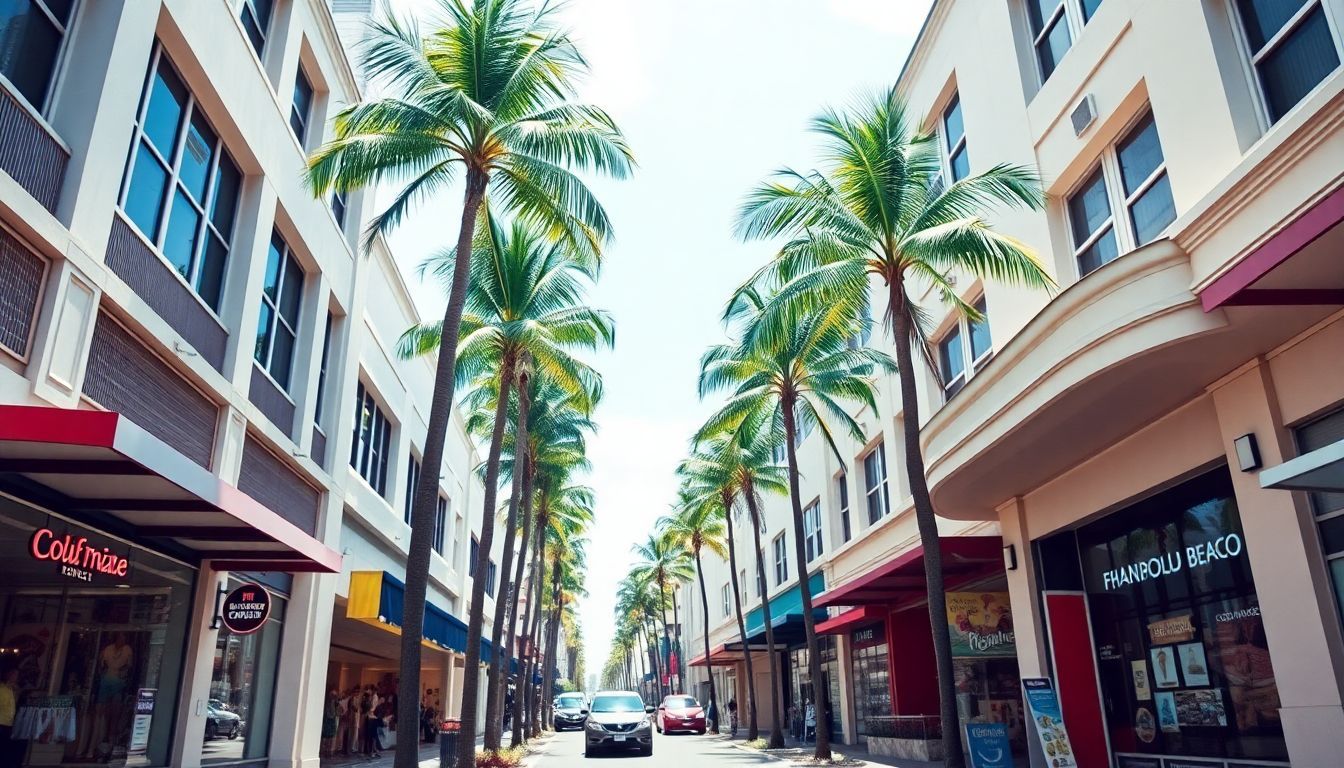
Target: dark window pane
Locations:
point(265, 320)
point(197, 154)
point(1053, 47)
point(338, 207)
point(1103, 251)
point(274, 257)
point(167, 99)
point(1089, 9)
point(961, 164)
point(1153, 211)
point(144, 198)
point(29, 43)
point(1039, 12)
point(1140, 154)
point(980, 340)
point(290, 293)
point(225, 204)
point(1298, 64)
point(264, 8)
point(210, 278)
point(952, 124)
point(303, 104)
point(282, 356)
point(61, 9)
point(179, 244)
point(255, 33)
point(950, 356)
point(1264, 18)
point(1088, 208)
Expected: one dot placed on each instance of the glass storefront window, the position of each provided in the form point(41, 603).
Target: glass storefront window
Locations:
point(94, 628)
point(872, 694)
point(1181, 650)
point(242, 689)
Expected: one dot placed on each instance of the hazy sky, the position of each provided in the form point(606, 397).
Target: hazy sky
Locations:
point(712, 95)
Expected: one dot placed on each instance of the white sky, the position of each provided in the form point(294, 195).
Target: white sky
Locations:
point(712, 95)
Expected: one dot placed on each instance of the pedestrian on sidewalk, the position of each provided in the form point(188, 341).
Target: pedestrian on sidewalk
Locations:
point(732, 717)
point(368, 709)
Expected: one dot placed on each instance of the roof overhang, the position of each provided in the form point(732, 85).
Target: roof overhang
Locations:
point(101, 463)
point(901, 579)
point(854, 618)
point(1318, 470)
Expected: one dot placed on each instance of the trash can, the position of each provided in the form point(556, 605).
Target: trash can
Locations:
point(448, 731)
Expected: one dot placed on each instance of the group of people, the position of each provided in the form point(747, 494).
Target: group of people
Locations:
point(356, 721)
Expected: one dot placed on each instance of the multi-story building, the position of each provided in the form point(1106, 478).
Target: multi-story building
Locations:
point(1138, 474)
point(199, 391)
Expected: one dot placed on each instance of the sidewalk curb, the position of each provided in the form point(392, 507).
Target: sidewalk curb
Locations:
point(857, 762)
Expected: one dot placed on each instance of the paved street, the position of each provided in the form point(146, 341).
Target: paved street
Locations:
point(565, 750)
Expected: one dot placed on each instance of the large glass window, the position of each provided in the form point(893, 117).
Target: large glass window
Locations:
point(875, 483)
point(871, 691)
point(1143, 178)
point(32, 33)
point(301, 111)
point(1054, 24)
point(781, 550)
point(181, 186)
point(954, 141)
point(967, 340)
point(278, 323)
point(98, 656)
point(1327, 506)
point(372, 441)
point(242, 689)
point(812, 529)
point(256, 18)
point(1291, 49)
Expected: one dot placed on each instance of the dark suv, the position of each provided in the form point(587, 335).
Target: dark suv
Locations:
point(569, 711)
point(618, 720)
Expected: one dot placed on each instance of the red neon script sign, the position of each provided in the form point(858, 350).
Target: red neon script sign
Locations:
point(77, 557)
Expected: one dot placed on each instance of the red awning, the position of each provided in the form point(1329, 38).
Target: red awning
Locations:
point(902, 579)
point(99, 461)
point(724, 655)
point(851, 619)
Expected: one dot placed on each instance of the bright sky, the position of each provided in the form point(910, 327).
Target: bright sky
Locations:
point(712, 95)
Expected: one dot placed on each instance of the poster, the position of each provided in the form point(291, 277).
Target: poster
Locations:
point(144, 715)
point(1049, 721)
point(1166, 713)
point(1194, 668)
point(1142, 691)
point(981, 624)
point(1177, 629)
point(1145, 728)
point(988, 745)
point(1164, 668)
point(1200, 708)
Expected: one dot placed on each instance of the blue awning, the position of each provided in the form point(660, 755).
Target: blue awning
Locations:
point(786, 611)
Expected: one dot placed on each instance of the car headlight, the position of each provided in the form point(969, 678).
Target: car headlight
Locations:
point(646, 722)
point(594, 725)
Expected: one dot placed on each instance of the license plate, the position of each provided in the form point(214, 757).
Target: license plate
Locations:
point(620, 738)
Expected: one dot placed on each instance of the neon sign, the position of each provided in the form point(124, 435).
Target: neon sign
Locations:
point(77, 557)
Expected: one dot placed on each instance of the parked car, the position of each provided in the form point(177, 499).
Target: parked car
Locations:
point(618, 720)
point(569, 709)
point(680, 713)
point(219, 721)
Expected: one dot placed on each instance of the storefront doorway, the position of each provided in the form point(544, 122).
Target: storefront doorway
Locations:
point(872, 689)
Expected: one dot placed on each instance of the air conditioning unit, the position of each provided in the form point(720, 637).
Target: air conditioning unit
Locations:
point(1083, 115)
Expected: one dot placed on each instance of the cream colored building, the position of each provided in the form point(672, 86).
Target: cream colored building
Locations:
point(1085, 456)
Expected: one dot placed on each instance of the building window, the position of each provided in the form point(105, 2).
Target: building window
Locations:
point(842, 486)
point(968, 340)
point(412, 480)
point(781, 559)
point(474, 554)
point(875, 483)
point(301, 112)
point(278, 323)
point(727, 603)
point(1054, 23)
point(1133, 173)
point(256, 18)
point(242, 688)
point(372, 441)
point(1327, 506)
point(1291, 49)
point(338, 208)
point(954, 141)
point(322, 373)
point(812, 530)
point(490, 578)
point(440, 523)
point(32, 34)
point(181, 186)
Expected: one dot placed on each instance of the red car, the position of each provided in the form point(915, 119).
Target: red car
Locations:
point(680, 713)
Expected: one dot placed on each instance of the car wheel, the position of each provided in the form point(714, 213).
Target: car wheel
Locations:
point(700, 732)
point(647, 751)
point(587, 751)
point(233, 733)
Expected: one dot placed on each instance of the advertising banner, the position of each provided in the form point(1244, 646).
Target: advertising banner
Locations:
point(988, 745)
point(1048, 720)
point(981, 624)
point(144, 715)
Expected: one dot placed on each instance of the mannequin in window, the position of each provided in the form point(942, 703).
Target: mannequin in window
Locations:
point(109, 693)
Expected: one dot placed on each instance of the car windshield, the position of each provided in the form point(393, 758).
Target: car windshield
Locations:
point(571, 702)
point(628, 703)
point(680, 702)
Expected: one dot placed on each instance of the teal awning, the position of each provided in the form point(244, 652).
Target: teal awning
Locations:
point(786, 611)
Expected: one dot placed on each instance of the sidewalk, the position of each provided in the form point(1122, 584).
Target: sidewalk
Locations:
point(854, 754)
point(429, 758)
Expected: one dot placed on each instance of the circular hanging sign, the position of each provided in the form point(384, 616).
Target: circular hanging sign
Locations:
point(246, 609)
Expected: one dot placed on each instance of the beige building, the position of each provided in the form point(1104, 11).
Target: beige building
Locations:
point(1138, 474)
point(206, 436)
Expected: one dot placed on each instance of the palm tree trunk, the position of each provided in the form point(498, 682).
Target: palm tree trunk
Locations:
point(823, 751)
point(424, 506)
point(776, 740)
point(534, 648)
point(753, 731)
point(471, 676)
point(667, 639)
point(520, 686)
point(953, 755)
point(499, 670)
point(704, 606)
point(676, 645)
point(548, 676)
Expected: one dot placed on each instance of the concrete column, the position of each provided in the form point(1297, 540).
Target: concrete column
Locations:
point(241, 301)
point(845, 664)
point(1285, 562)
point(198, 660)
point(1028, 620)
point(296, 722)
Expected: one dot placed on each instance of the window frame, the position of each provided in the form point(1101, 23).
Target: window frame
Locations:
point(970, 363)
point(264, 29)
point(412, 479)
point(440, 523)
point(56, 77)
point(473, 554)
point(812, 539)
point(305, 116)
point(1252, 59)
point(491, 571)
point(286, 259)
point(880, 452)
point(1112, 177)
point(363, 452)
point(727, 603)
point(842, 483)
point(320, 396)
point(780, 545)
point(1075, 18)
point(949, 151)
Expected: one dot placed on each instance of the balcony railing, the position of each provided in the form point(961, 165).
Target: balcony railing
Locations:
point(29, 151)
point(921, 727)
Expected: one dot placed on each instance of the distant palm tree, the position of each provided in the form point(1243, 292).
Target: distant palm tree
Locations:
point(882, 208)
point(665, 567)
point(487, 93)
point(697, 526)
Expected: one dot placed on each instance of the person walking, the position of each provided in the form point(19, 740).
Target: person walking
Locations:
point(368, 707)
point(732, 717)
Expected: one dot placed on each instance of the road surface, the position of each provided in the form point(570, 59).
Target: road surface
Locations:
point(565, 750)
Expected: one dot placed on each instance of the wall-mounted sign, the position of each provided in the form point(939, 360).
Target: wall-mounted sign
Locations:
point(1048, 720)
point(1224, 547)
point(981, 624)
point(77, 556)
point(866, 637)
point(1177, 629)
point(246, 609)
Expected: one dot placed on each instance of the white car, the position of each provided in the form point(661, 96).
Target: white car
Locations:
point(618, 720)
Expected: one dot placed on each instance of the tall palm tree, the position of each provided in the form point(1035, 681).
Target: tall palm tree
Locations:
point(880, 207)
point(789, 377)
point(523, 309)
point(488, 93)
point(697, 526)
point(665, 566)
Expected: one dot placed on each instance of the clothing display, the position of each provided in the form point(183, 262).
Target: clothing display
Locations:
point(47, 720)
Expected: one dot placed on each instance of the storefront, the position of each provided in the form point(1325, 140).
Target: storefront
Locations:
point(870, 668)
point(1176, 634)
point(244, 675)
point(802, 694)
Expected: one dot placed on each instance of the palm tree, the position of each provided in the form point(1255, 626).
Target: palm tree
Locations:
point(523, 309)
point(881, 208)
point(488, 93)
point(697, 526)
point(665, 566)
